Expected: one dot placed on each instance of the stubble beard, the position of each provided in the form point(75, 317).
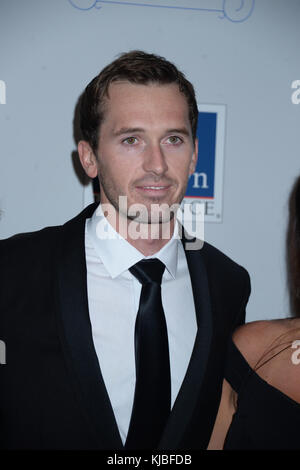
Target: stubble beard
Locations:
point(146, 215)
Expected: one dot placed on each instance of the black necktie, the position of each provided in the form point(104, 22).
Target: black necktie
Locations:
point(152, 398)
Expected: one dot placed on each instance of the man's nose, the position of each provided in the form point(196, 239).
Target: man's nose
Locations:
point(155, 160)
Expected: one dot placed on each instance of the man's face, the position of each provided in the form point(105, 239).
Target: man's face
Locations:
point(145, 151)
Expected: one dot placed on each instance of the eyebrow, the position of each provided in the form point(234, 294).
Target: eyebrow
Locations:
point(133, 130)
point(128, 130)
point(181, 130)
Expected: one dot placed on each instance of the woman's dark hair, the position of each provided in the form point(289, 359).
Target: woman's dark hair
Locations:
point(293, 249)
point(136, 67)
point(285, 340)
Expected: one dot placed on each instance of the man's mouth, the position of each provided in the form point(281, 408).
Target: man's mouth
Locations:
point(153, 189)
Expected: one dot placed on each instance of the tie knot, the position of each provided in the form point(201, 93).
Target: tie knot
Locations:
point(148, 270)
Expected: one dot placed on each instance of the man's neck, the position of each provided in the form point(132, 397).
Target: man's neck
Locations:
point(153, 237)
point(145, 237)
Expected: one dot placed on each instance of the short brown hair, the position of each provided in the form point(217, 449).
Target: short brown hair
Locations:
point(136, 67)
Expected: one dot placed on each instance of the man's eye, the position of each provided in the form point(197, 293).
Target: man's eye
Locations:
point(173, 139)
point(130, 140)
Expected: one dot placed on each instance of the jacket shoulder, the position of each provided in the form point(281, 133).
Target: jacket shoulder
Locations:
point(45, 239)
point(24, 240)
point(25, 249)
point(219, 261)
point(229, 282)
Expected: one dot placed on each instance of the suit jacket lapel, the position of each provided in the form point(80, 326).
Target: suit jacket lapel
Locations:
point(190, 391)
point(77, 334)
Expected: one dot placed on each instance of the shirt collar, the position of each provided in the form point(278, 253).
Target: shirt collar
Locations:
point(117, 254)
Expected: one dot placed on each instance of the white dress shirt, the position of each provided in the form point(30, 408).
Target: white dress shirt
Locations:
point(113, 299)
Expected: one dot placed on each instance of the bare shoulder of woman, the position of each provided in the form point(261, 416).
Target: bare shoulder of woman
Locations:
point(272, 349)
point(253, 338)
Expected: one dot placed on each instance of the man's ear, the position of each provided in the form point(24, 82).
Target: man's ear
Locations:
point(87, 158)
point(194, 158)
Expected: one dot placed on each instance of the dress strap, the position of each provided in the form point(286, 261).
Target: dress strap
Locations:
point(237, 369)
point(262, 361)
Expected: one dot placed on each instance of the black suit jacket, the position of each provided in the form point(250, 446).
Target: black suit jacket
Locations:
point(52, 394)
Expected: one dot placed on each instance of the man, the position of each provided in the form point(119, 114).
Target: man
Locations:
point(115, 331)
